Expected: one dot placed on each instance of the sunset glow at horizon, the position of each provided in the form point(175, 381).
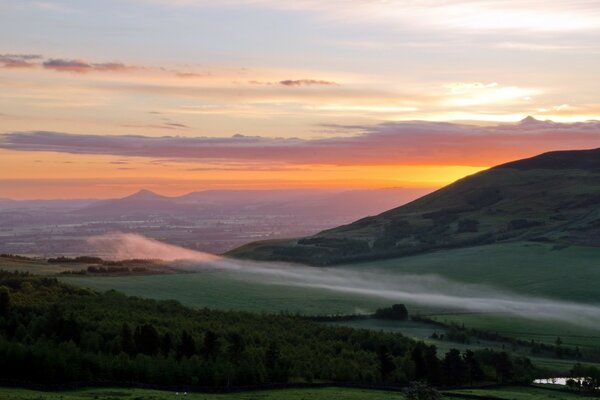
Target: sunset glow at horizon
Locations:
point(100, 99)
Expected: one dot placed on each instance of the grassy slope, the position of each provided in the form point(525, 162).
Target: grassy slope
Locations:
point(515, 202)
point(526, 268)
point(537, 269)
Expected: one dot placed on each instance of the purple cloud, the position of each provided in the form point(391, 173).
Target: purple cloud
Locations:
point(80, 66)
point(306, 82)
point(398, 143)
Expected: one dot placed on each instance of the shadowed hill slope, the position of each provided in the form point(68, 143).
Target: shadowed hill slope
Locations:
point(553, 197)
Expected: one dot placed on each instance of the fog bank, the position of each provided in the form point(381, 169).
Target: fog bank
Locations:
point(426, 290)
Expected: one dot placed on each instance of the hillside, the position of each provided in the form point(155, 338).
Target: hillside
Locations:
point(552, 197)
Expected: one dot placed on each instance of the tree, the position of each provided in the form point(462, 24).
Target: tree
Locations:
point(418, 357)
point(211, 345)
point(386, 362)
point(434, 374)
point(236, 347)
point(504, 367)
point(4, 301)
point(147, 340)
point(187, 347)
point(474, 371)
point(396, 312)
point(127, 343)
point(166, 344)
point(454, 368)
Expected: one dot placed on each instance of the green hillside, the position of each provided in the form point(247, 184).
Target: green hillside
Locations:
point(550, 198)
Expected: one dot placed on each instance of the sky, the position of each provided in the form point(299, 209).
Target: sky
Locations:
point(102, 98)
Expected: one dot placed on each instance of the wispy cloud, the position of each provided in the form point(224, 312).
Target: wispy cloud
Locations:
point(306, 82)
point(456, 15)
point(19, 60)
point(80, 66)
point(399, 143)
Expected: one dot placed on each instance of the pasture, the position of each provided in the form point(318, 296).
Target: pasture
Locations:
point(328, 393)
point(139, 394)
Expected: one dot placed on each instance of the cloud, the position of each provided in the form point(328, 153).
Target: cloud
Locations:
point(392, 143)
point(454, 15)
point(192, 74)
point(80, 66)
point(306, 82)
point(166, 125)
point(19, 60)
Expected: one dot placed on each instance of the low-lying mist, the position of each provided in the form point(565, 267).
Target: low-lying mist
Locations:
point(425, 290)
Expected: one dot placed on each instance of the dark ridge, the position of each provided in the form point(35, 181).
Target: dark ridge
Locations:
point(588, 160)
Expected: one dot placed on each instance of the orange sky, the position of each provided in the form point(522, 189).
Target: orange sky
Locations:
point(100, 99)
point(54, 175)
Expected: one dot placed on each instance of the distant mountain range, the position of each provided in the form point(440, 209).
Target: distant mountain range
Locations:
point(213, 220)
point(264, 202)
point(553, 197)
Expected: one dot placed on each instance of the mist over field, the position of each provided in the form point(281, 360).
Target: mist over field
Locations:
point(426, 290)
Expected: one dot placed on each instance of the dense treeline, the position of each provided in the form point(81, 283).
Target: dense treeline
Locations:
point(54, 333)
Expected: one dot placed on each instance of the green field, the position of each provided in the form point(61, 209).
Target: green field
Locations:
point(520, 393)
point(525, 268)
point(139, 394)
point(508, 393)
point(530, 268)
point(226, 291)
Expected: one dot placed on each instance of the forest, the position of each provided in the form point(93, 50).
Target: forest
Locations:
point(54, 333)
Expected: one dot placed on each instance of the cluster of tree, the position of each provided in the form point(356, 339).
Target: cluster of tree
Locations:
point(585, 378)
point(51, 332)
point(16, 257)
point(114, 270)
point(75, 260)
point(396, 312)
point(461, 334)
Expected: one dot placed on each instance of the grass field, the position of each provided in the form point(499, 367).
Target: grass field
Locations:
point(38, 267)
point(508, 393)
point(525, 268)
point(536, 269)
point(520, 393)
point(140, 394)
point(224, 290)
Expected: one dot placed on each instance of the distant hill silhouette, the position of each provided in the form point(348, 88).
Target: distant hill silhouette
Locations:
point(310, 202)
